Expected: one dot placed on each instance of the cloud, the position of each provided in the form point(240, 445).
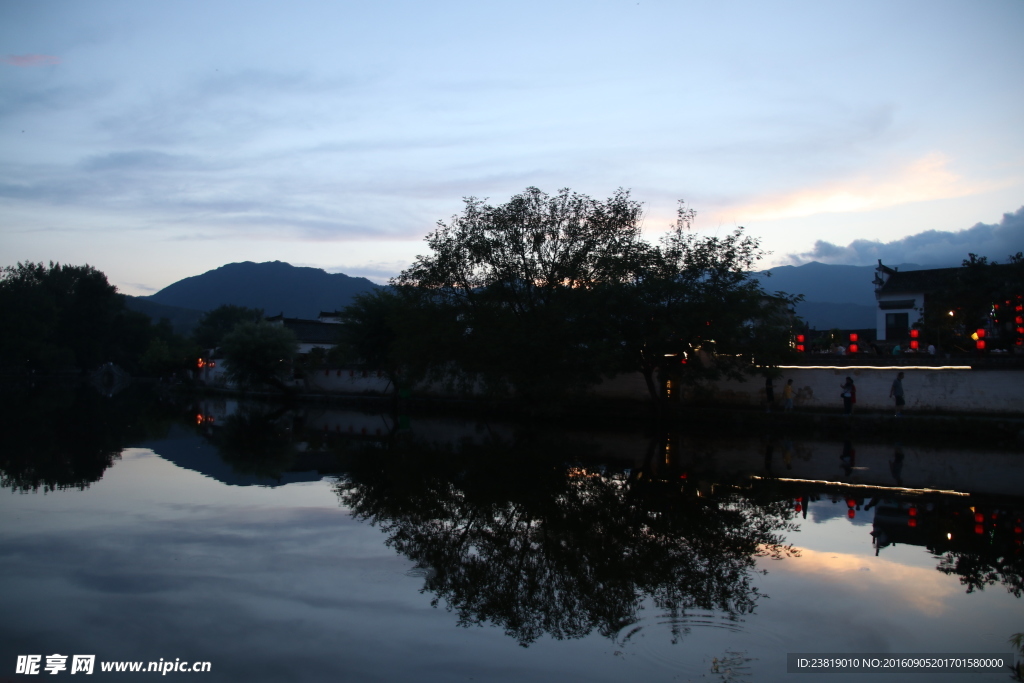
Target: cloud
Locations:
point(925, 179)
point(31, 60)
point(932, 247)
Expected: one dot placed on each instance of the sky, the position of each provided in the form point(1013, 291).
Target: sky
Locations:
point(156, 141)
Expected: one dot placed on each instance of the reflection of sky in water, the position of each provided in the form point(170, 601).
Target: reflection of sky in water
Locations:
point(282, 584)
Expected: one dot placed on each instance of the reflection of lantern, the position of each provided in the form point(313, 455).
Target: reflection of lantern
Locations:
point(850, 502)
point(799, 507)
point(979, 529)
point(912, 522)
point(853, 348)
point(978, 517)
point(980, 344)
point(914, 344)
point(851, 513)
point(1017, 529)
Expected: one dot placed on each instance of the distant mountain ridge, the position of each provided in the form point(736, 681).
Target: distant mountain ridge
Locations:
point(274, 286)
point(834, 295)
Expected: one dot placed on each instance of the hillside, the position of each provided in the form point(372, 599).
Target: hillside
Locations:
point(834, 295)
point(274, 286)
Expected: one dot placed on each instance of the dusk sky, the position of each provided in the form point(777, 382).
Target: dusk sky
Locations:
point(156, 141)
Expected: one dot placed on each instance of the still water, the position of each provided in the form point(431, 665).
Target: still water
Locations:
point(326, 544)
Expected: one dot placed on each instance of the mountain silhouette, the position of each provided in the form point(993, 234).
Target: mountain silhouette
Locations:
point(274, 286)
point(835, 296)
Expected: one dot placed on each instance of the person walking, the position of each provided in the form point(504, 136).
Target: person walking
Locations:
point(849, 394)
point(897, 392)
point(787, 396)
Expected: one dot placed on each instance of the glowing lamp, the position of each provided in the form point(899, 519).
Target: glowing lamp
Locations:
point(912, 523)
point(1019, 320)
point(850, 502)
point(800, 348)
point(978, 517)
point(980, 344)
point(914, 344)
point(851, 513)
point(912, 512)
point(1017, 529)
point(853, 348)
point(800, 339)
point(980, 333)
point(854, 337)
point(799, 498)
point(979, 529)
point(914, 334)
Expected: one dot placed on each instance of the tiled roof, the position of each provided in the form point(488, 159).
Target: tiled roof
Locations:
point(309, 331)
point(313, 331)
point(912, 281)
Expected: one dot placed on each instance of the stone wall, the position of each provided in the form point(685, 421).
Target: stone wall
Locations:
point(926, 389)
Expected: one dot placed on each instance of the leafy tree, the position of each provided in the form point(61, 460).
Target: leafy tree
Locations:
point(695, 312)
point(259, 354)
point(511, 286)
point(971, 295)
point(61, 317)
point(546, 294)
point(215, 324)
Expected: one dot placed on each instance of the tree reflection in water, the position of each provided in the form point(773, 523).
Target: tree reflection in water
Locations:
point(506, 533)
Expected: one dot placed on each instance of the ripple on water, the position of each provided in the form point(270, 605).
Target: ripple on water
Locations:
point(696, 643)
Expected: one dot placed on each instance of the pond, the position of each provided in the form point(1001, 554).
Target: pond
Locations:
point(326, 543)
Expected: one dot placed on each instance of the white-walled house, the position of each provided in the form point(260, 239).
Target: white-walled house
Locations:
point(901, 298)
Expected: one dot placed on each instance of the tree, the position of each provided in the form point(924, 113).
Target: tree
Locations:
point(980, 291)
point(215, 324)
point(510, 284)
point(545, 295)
point(61, 317)
point(694, 312)
point(259, 354)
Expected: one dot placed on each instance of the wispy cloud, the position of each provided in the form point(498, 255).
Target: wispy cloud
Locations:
point(31, 60)
point(924, 179)
point(932, 247)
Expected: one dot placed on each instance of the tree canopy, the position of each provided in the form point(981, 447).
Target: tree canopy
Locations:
point(67, 318)
point(259, 354)
point(547, 294)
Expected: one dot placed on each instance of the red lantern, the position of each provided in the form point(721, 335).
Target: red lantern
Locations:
point(979, 529)
point(799, 507)
point(800, 348)
point(912, 512)
point(914, 344)
point(854, 337)
point(914, 334)
point(853, 348)
point(850, 502)
point(980, 344)
point(851, 513)
point(978, 517)
point(912, 522)
point(981, 333)
point(1019, 320)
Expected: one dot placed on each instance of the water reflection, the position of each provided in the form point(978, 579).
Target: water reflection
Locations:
point(507, 532)
point(562, 534)
point(58, 438)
